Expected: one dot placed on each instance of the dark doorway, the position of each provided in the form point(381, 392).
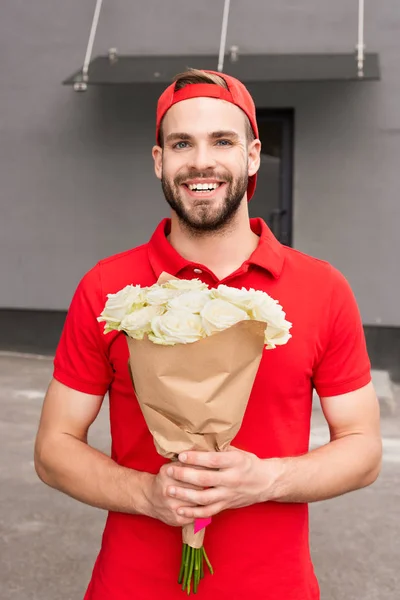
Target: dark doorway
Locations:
point(273, 197)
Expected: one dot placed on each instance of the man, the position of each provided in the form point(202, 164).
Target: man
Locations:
point(207, 156)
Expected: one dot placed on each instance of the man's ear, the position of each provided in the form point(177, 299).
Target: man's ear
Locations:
point(157, 156)
point(254, 159)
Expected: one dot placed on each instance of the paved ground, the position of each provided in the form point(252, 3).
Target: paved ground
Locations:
point(48, 542)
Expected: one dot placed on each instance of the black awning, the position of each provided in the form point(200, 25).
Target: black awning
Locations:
point(249, 68)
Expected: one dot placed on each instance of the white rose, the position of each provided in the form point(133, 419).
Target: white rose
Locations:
point(157, 294)
point(277, 336)
point(243, 298)
point(265, 308)
point(219, 315)
point(268, 310)
point(193, 301)
point(176, 327)
point(240, 297)
point(185, 284)
point(120, 304)
point(138, 322)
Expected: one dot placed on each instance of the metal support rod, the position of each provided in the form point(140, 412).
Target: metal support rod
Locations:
point(92, 35)
point(360, 45)
point(223, 36)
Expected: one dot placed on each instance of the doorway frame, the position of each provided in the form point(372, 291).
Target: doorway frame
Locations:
point(286, 116)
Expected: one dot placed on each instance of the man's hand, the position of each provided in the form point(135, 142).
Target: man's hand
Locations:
point(234, 479)
point(161, 505)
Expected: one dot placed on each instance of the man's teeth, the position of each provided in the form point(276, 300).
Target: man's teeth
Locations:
point(203, 186)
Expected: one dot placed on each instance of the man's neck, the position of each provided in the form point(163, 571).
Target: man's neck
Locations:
point(222, 252)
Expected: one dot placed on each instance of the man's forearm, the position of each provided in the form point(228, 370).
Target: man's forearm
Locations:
point(343, 465)
point(71, 466)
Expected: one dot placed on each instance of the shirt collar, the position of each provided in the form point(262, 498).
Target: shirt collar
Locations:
point(269, 254)
point(163, 257)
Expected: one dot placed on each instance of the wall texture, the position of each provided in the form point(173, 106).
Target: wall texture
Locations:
point(76, 175)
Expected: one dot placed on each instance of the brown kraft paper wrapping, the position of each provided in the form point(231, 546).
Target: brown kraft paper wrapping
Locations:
point(192, 539)
point(193, 396)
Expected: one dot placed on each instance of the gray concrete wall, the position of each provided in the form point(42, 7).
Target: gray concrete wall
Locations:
point(75, 170)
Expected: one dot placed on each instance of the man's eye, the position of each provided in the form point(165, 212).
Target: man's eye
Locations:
point(224, 142)
point(180, 145)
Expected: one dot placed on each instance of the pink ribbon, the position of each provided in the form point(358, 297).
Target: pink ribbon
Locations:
point(199, 524)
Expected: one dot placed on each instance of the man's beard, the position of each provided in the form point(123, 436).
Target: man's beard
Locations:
point(206, 218)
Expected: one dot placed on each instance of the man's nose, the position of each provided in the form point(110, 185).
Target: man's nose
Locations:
point(201, 158)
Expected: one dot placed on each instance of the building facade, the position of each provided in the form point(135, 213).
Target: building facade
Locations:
point(76, 168)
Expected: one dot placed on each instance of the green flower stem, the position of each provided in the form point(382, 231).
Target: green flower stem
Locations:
point(196, 569)
point(207, 561)
point(185, 574)
point(193, 552)
point(199, 563)
point(200, 566)
point(181, 571)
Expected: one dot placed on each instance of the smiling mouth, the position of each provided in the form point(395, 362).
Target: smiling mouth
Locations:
point(201, 189)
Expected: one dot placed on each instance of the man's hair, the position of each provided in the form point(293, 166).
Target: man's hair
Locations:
point(197, 76)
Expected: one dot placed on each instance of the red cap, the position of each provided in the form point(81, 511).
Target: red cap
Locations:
point(236, 94)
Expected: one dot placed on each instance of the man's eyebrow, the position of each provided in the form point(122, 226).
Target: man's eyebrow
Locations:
point(223, 133)
point(178, 136)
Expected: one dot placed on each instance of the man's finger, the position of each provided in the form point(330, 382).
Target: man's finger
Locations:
point(202, 512)
point(202, 478)
point(196, 497)
point(210, 460)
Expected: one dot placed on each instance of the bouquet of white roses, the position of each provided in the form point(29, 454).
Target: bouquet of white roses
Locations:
point(194, 355)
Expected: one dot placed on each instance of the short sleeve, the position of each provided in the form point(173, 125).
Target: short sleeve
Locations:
point(81, 360)
point(344, 365)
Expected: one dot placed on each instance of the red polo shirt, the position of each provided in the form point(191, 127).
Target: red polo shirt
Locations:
point(261, 551)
